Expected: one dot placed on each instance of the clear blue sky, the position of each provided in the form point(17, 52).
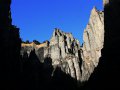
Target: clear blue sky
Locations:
point(38, 18)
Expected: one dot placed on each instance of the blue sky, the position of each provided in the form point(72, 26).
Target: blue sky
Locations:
point(38, 18)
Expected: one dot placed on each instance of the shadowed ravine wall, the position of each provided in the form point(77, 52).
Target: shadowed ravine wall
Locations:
point(10, 45)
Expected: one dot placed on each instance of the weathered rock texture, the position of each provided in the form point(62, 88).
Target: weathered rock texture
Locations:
point(63, 49)
point(66, 53)
point(93, 40)
point(50, 63)
point(107, 74)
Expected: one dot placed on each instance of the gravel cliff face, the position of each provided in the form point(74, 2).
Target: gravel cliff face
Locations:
point(67, 54)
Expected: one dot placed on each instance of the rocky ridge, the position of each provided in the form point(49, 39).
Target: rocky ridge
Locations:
point(66, 53)
point(63, 49)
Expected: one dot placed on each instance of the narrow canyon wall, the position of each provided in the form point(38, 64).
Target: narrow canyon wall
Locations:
point(10, 45)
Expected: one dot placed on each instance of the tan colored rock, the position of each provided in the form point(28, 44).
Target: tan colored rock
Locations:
point(93, 38)
point(64, 53)
point(63, 49)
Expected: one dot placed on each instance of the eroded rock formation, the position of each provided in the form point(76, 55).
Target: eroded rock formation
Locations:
point(106, 76)
point(93, 40)
point(63, 49)
point(66, 53)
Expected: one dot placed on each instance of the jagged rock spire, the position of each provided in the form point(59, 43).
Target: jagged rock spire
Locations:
point(93, 38)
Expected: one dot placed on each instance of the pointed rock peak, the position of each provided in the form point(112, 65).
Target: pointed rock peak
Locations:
point(59, 35)
point(105, 2)
point(56, 29)
point(95, 13)
point(57, 32)
point(94, 10)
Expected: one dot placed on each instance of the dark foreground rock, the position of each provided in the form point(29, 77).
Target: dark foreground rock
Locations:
point(10, 45)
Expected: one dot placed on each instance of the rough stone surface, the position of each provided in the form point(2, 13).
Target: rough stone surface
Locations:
point(63, 49)
point(66, 53)
point(93, 38)
point(107, 74)
point(41, 50)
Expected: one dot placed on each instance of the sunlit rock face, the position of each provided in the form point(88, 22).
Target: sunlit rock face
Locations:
point(63, 49)
point(67, 54)
point(93, 38)
point(41, 50)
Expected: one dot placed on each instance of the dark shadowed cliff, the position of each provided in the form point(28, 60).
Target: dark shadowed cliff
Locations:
point(10, 45)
